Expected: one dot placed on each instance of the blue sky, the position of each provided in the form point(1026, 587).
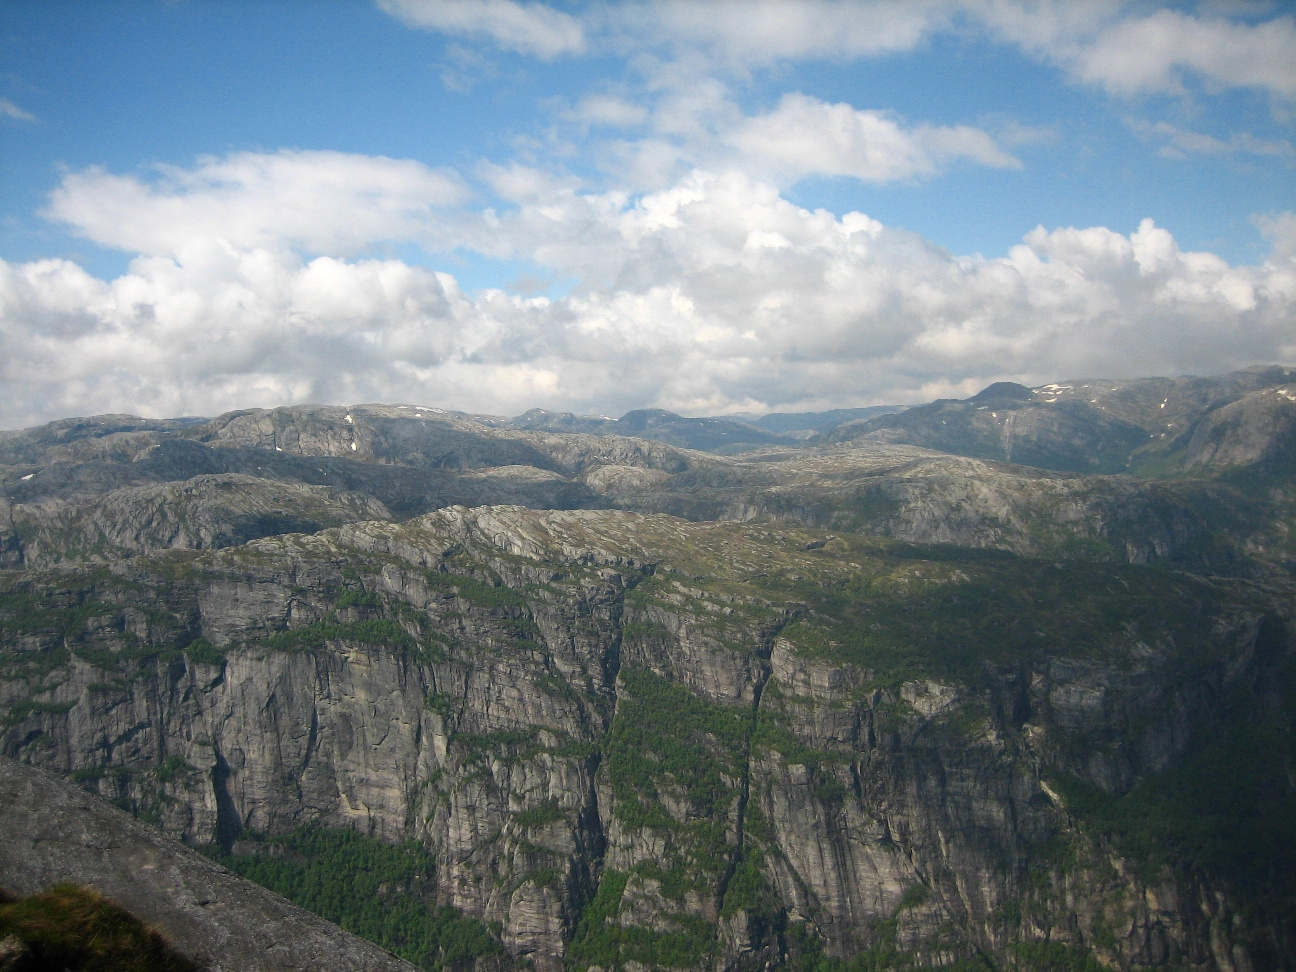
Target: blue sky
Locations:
point(494, 205)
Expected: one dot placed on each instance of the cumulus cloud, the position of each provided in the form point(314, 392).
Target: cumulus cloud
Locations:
point(321, 202)
point(222, 327)
point(713, 294)
point(529, 28)
point(804, 135)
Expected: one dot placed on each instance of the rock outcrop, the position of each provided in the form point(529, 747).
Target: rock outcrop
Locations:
point(53, 832)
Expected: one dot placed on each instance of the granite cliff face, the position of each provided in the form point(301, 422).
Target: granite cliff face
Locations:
point(639, 742)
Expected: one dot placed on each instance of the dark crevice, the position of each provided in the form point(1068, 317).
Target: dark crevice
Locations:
point(228, 823)
point(312, 741)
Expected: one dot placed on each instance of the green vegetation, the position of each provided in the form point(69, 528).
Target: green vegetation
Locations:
point(40, 632)
point(677, 763)
point(600, 941)
point(884, 955)
point(24, 612)
point(666, 739)
point(664, 733)
point(748, 889)
point(73, 928)
point(203, 652)
point(173, 768)
point(353, 598)
point(475, 591)
point(935, 612)
point(772, 733)
point(376, 890)
point(21, 709)
point(914, 896)
point(380, 632)
point(537, 816)
point(1226, 805)
point(1054, 957)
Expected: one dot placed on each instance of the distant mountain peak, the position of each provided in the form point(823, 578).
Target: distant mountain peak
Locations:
point(1002, 391)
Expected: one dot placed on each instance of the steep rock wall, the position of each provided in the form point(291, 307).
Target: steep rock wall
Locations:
point(617, 738)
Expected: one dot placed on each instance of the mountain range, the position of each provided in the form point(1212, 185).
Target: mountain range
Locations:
point(1000, 682)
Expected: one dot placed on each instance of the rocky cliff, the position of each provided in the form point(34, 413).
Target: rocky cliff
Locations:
point(633, 741)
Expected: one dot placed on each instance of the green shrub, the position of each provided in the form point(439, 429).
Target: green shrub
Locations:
point(1054, 957)
point(203, 652)
point(353, 598)
point(73, 928)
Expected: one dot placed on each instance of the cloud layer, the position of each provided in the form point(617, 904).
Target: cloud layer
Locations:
point(714, 294)
point(1107, 43)
point(321, 202)
point(694, 283)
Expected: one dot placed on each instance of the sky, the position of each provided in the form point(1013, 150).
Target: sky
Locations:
point(714, 208)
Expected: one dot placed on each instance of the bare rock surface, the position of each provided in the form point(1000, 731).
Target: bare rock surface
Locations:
point(50, 832)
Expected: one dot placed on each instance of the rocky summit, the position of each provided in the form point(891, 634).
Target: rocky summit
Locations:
point(1000, 683)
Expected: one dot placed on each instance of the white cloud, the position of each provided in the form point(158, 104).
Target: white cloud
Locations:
point(715, 293)
point(529, 28)
point(1149, 54)
point(602, 109)
point(517, 183)
point(692, 121)
point(321, 202)
point(763, 31)
point(1182, 142)
point(1110, 43)
point(9, 110)
point(221, 328)
point(804, 135)
point(1098, 43)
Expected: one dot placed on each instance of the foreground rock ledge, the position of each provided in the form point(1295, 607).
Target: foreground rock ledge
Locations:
point(50, 831)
